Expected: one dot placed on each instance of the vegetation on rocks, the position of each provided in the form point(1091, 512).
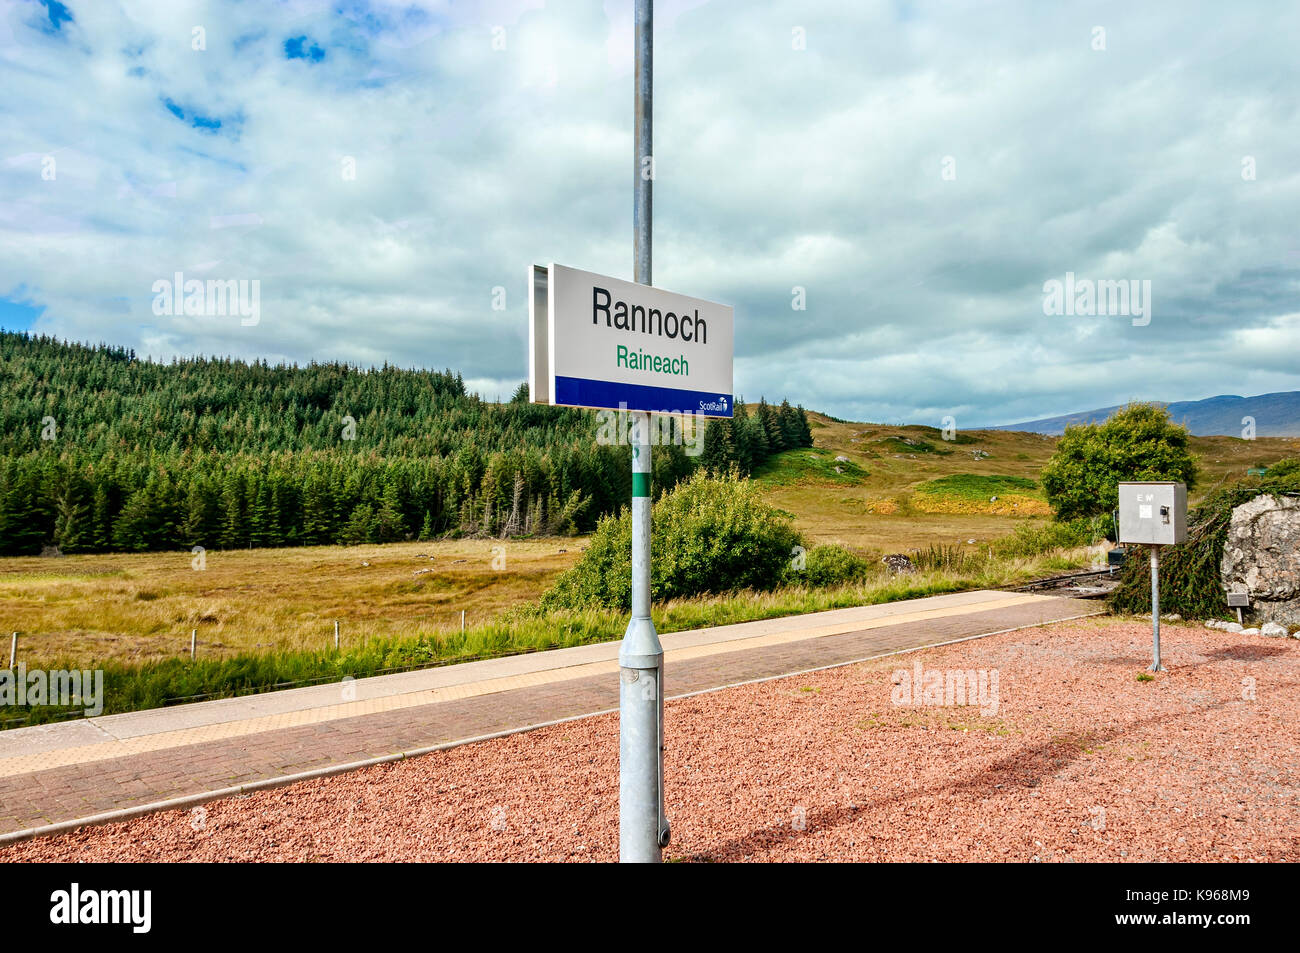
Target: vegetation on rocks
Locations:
point(1190, 584)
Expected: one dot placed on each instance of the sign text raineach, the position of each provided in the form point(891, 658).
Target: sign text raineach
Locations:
point(605, 343)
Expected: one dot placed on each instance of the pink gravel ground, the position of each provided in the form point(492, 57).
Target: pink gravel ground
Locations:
point(1082, 761)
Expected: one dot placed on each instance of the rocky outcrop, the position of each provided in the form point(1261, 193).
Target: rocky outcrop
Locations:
point(898, 564)
point(1262, 557)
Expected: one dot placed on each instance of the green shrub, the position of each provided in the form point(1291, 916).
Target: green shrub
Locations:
point(1138, 442)
point(974, 486)
point(1189, 572)
point(1035, 539)
point(896, 444)
point(711, 534)
point(938, 557)
point(828, 566)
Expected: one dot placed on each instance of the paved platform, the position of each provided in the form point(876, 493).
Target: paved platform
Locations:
point(51, 774)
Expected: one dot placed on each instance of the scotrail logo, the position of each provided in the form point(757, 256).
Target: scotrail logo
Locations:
point(718, 406)
point(74, 905)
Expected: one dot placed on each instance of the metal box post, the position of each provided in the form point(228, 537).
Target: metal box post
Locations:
point(1154, 515)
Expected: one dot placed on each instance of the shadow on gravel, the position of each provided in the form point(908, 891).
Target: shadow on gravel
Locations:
point(1246, 652)
point(1024, 768)
point(1122, 661)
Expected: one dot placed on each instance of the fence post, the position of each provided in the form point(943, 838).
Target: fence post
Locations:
point(194, 644)
point(336, 633)
point(462, 620)
point(13, 650)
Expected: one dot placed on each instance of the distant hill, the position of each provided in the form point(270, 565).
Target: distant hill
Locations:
point(1276, 415)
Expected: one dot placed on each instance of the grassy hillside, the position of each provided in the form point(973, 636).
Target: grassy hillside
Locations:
point(902, 488)
point(101, 451)
point(898, 489)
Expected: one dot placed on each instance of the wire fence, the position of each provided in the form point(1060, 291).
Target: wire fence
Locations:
point(285, 684)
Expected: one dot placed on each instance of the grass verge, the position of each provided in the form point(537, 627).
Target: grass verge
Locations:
point(154, 684)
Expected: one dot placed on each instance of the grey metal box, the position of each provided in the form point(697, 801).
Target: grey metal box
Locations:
point(1152, 513)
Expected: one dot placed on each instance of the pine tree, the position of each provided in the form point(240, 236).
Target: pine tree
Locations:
point(719, 452)
point(101, 519)
point(388, 523)
point(317, 513)
point(197, 524)
point(228, 452)
point(771, 427)
point(260, 531)
point(788, 420)
point(70, 529)
point(805, 431)
point(514, 524)
point(132, 529)
point(360, 527)
point(234, 533)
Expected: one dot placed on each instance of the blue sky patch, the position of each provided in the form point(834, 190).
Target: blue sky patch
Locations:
point(297, 48)
point(58, 15)
point(390, 20)
point(195, 119)
point(18, 315)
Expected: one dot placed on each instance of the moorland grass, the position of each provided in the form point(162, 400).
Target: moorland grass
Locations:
point(153, 684)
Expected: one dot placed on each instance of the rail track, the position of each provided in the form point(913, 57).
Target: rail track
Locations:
point(1103, 581)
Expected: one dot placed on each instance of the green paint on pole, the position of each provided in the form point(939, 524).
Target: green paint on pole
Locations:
point(640, 485)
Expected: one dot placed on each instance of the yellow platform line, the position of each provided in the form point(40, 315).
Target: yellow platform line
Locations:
point(160, 741)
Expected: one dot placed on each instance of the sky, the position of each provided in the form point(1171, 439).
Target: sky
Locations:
point(883, 190)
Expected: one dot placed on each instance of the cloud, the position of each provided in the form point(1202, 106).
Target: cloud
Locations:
point(919, 171)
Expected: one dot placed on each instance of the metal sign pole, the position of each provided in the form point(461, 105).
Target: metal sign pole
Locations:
point(1155, 609)
point(642, 824)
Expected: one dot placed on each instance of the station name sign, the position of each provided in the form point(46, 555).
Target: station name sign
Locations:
point(602, 342)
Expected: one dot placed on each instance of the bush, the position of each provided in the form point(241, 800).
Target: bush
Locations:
point(711, 534)
point(1189, 572)
point(828, 566)
point(958, 560)
point(1037, 539)
point(1136, 443)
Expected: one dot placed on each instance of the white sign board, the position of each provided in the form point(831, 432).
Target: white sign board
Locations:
point(611, 344)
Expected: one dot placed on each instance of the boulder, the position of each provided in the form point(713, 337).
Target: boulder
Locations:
point(1273, 630)
point(1262, 556)
point(899, 565)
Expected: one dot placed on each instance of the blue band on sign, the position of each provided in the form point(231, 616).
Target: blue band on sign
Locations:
point(580, 392)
